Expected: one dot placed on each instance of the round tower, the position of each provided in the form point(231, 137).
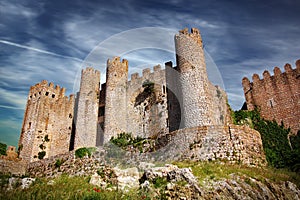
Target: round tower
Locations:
point(193, 78)
point(116, 98)
point(87, 109)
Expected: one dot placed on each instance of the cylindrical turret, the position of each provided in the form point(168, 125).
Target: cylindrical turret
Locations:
point(87, 109)
point(115, 100)
point(193, 78)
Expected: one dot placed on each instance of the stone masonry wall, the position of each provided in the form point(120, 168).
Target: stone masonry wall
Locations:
point(47, 122)
point(115, 99)
point(277, 96)
point(193, 78)
point(87, 109)
point(232, 143)
point(147, 103)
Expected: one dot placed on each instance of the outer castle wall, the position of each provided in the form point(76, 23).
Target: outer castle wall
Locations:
point(277, 96)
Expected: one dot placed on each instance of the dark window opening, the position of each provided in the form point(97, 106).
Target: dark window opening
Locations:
point(35, 95)
point(70, 128)
point(29, 125)
point(39, 92)
point(40, 131)
point(164, 89)
point(47, 93)
point(70, 116)
point(53, 95)
point(30, 97)
point(271, 104)
point(101, 111)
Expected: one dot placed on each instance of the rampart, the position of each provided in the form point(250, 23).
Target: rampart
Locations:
point(277, 96)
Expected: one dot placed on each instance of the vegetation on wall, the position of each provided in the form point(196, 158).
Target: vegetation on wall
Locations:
point(85, 151)
point(3, 148)
point(280, 152)
point(127, 142)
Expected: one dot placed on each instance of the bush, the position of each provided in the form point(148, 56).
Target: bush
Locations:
point(84, 151)
point(126, 139)
point(41, 154)
point(58, 163)
point(3, 148)
point(274, 137)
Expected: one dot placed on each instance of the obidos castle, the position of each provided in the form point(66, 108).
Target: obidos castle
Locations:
point(177, 103)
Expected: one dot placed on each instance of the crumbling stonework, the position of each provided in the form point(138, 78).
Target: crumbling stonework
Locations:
point(176, 102)
point(277, 96)
point(47, 124)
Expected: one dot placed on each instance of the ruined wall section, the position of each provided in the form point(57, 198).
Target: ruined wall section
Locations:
point(47, 122)
point(147, 113)
point(277, 96)
point(116, 98)
point(193, 78)
point(87, 109)
point(233, 143)
point(219, 110)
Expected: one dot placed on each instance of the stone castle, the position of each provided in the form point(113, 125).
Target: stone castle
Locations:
point(177, 105)
point(277, 96)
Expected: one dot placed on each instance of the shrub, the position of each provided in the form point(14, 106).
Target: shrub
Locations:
point(274, 137)
point(41, 154)
point(58, 163)
point(3, 148)
point(84, 151)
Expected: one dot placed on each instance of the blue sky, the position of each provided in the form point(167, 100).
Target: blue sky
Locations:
point(49, 39)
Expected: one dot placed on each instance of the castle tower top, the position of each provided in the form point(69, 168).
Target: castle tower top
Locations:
point(195, 35)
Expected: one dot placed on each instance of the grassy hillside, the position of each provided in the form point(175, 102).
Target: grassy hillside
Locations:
point(65, 187)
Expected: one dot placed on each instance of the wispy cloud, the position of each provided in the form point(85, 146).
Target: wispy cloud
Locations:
point(39, 50)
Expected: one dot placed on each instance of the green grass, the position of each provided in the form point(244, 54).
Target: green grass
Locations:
point(65, 187)
point(217, 171)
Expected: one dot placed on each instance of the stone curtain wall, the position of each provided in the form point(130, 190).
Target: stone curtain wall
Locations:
point(13, 167)
point(47, 122)
point(87, 109)
point(230, 143)
point(147, 103)
point(277, 96)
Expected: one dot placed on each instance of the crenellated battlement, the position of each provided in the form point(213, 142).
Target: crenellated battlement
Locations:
point(146, 74)
point(116, 64)
point(277, 74)
point(45, 89)
point(194, 34)
point(91, 71)
point(277, 95)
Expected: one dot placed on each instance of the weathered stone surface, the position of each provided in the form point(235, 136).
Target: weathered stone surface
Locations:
point(277, 96)
point(127, 178)
point(177, 108)
point(47, 123)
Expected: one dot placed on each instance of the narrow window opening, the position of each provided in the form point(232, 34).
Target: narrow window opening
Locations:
point(164, 89)
point(29, 125)
point(53, 95)
point(271, 103)
point(70, 116)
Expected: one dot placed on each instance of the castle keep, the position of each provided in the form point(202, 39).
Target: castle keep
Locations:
point(277, 96)
point(177, 106)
